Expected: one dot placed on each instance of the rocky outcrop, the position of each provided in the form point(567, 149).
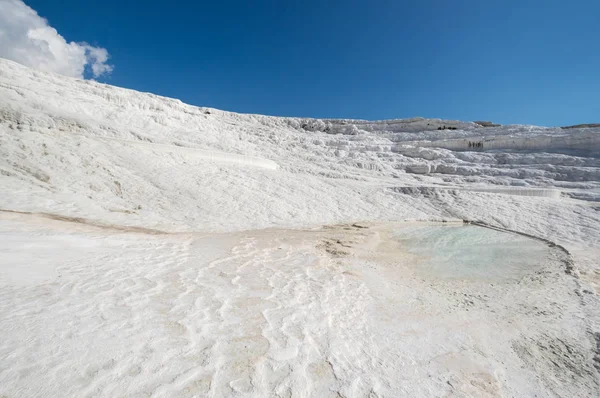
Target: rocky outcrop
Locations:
point(580, 126)
point(484, 123)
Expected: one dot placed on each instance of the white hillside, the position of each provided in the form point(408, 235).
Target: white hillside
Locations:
point(154, 248)
point(82, 149)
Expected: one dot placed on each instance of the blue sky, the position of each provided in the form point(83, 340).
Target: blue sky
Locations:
point(535, 62)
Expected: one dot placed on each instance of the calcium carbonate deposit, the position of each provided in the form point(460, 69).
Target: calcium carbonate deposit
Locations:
point(154, 248)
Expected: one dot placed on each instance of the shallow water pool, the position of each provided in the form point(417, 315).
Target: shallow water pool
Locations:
point(471, 252)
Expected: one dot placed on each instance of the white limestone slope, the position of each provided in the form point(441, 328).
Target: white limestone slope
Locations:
point(136, 163)
point(79, 148)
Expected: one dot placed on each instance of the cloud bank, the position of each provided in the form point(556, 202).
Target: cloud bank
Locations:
point(28, 39)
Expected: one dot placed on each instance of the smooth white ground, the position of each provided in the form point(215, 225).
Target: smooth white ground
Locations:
point(103, 312)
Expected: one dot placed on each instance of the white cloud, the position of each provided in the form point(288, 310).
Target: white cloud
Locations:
point(27, 38)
